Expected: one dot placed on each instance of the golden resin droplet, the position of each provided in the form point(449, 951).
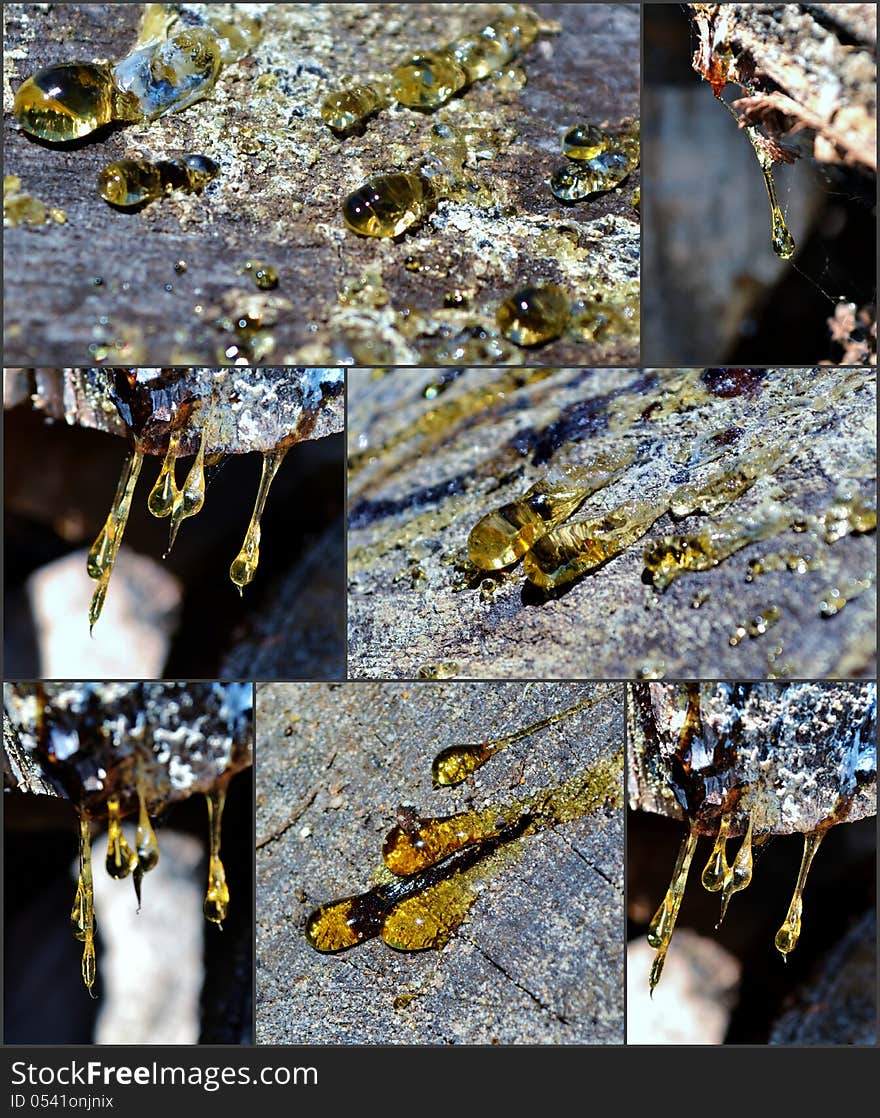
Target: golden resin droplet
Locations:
point(576, 549)
point(428, 80)
point(789, 934)
point(534, 315)
point(146, 845)
point(164, 493)
point(421, 842)
point(503, 536)
point(217, 894)
point(780, 236)
point(347, 108)
point(104, 550)
point(455, 763)
point(67, 102)
point(739, 875)
point(388, 205)
point(244, 565)
point(663, 923)
point(129, 183)
point(121, 859)
point(82, 917)
point(189, 500)
point(716, 868)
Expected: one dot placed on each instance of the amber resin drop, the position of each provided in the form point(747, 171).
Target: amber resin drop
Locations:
point(388, 205)
point(67, 102)
point(217, 892)
point(134, 182)
point(534, 315)
point(428, 80)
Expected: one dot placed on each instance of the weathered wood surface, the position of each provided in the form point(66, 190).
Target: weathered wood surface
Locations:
point(540, 957)
point(423, 473)
point(283, 178)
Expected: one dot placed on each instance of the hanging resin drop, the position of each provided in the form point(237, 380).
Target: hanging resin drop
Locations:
point(789, 934)
point(146, 846)
point(244, 565)
point(663, 922)
point(105, 549)
point(165, 491)
point(217, 893)
point(739, 875)
point(121, 859)
point(716, 868)
point(189, 500)
point(82, 916)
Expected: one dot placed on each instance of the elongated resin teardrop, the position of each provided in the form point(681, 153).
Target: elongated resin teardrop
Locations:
point(67, 102)
point(189, 500)
point(347, 108)
point(716, 868)
point(164, 493)
point(738, 875)
point(457, 762)
point(146, 846)
point(133, 182)
point(388, 205)
point(790, 932)
point(217, 893)
point(244, 565)
point(82, 916)
point(105, 549)
point(663, 922)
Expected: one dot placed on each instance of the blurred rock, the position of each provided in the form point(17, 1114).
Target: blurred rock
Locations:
point(132, 637)
point(693, 1001)
point(151, 966)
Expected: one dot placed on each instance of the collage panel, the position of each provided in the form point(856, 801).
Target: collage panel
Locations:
point(752, 863)
point(146, 781)
point(331, 183)
point(440, 863)
point(242, 473)
point(608, 523)
point(760, 223)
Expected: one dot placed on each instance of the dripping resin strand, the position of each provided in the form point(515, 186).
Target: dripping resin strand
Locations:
point(427, 80)
point(166, 499)
point(169, 68)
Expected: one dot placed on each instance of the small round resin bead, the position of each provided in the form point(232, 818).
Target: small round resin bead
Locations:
point(534, 315)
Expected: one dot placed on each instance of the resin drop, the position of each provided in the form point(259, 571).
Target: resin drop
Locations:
point(663, 923)
point(217, 893)
point(67, 102)
point(388, 205)
point(82, 917)
point(165, 492)
point(121, 859)
point(129, 183)
point(789, 934)
point(244, 565)
point(534, 315)
point(104, 550)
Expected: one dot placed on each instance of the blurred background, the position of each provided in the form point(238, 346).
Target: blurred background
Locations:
point(713, 291)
